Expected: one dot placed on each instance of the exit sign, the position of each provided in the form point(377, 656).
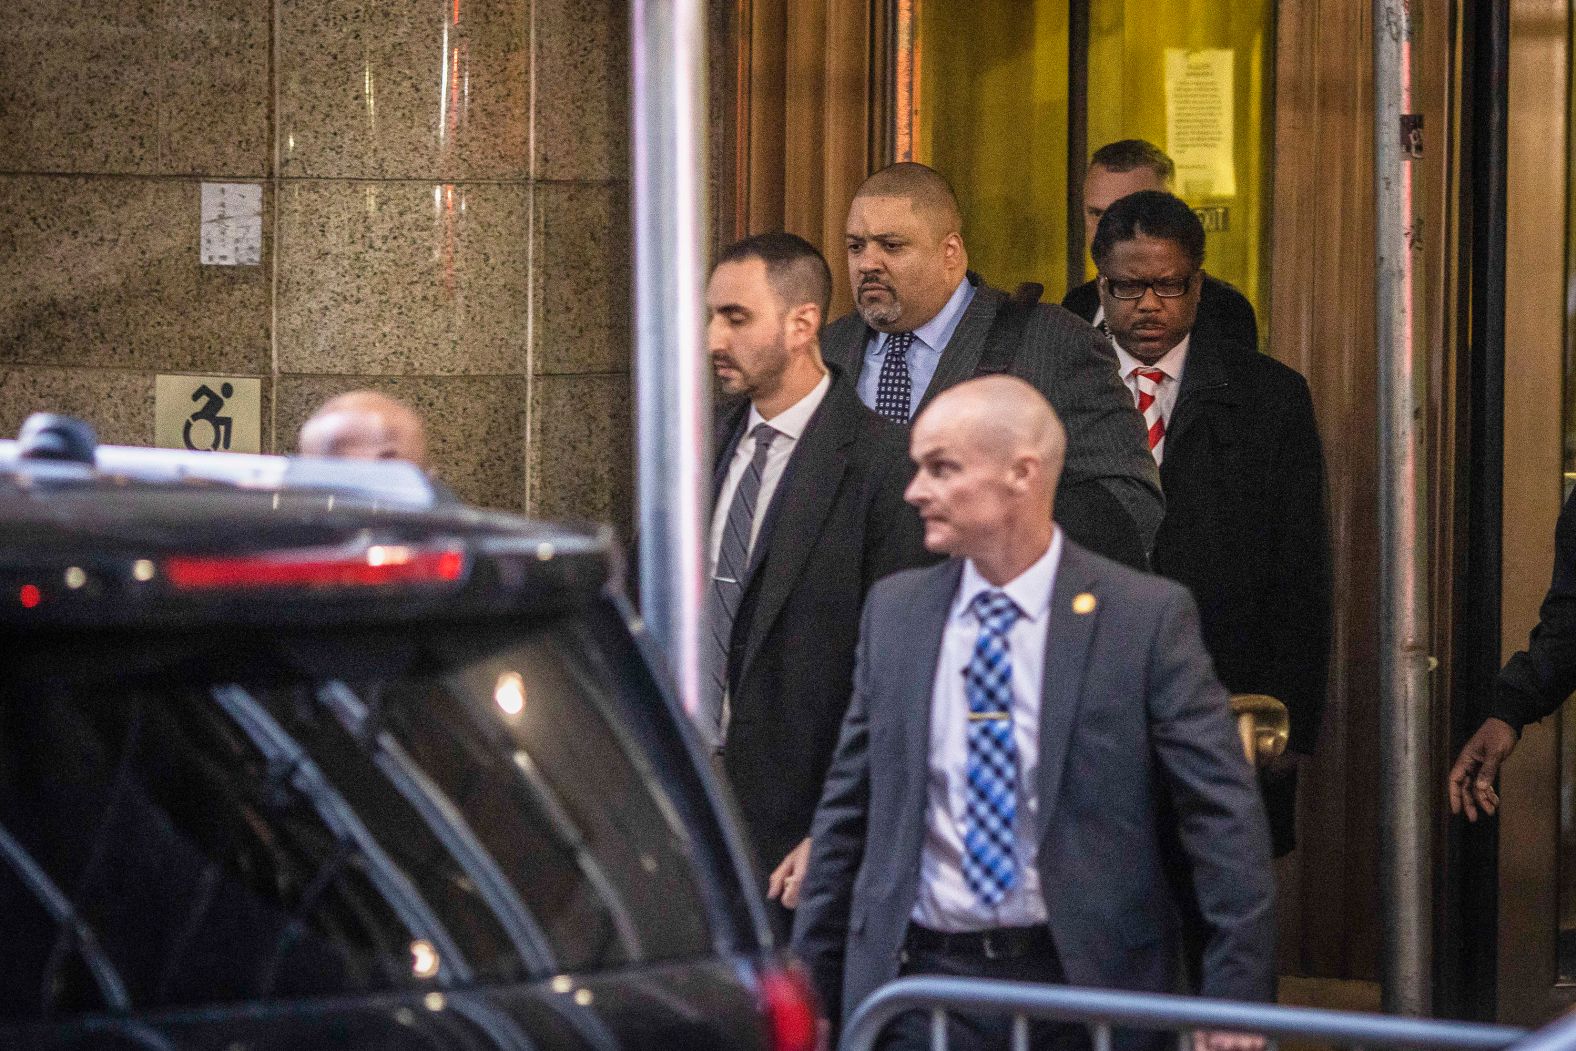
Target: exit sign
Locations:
point(1215, 220)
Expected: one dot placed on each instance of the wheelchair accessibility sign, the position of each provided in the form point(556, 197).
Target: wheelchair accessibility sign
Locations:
point(208, 413)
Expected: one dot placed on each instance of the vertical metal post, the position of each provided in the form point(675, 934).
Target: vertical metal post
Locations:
point(1407, 787)
point(672, 386)
point(1077, 135)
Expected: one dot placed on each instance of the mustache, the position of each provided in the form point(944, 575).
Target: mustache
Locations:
point(874, 282)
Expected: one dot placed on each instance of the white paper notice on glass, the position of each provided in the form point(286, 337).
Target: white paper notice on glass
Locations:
point(232, 224)
point(1200, 131)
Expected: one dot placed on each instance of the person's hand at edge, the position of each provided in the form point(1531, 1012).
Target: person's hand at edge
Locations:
point(1472, 778)
point(787, 879)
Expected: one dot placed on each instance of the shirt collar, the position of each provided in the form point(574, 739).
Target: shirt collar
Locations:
point(1031, 589)
point(1171, 363)
point(936, 332)
point(793, 420)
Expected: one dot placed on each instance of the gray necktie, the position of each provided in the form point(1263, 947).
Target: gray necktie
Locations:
point(727, 585)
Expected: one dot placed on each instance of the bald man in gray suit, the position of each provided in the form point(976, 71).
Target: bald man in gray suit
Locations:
point(1035, 741)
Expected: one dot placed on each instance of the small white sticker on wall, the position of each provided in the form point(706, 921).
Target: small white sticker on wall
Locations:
point(232, 224)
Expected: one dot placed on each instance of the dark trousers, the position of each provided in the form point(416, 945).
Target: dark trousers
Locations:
point(911, 1032)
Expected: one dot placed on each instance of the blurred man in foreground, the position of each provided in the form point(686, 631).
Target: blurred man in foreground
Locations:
point(365, 425)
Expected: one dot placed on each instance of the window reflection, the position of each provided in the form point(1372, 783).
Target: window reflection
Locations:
point(236, 818)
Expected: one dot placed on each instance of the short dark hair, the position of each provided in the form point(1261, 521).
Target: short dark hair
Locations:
point(796, 271)
point(1152, 213)
point(1127, 155)
point(923, 186)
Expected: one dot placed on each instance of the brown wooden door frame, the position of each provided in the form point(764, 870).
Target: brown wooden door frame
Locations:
point(1529, 991)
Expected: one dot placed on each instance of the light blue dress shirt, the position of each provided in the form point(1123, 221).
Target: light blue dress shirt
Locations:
point(930, 339)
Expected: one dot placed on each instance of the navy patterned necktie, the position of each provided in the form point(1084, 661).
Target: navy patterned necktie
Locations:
point(895, 387)
point(990, 861)
point(727, 585)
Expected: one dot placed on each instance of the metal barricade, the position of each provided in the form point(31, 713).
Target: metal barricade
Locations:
point(1103, 1011)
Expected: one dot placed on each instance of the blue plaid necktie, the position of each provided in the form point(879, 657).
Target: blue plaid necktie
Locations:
point(990, 865)
point(895, 387)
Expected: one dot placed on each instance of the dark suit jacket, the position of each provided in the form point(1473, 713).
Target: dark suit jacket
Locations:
point(1536, 681)
point(1133, 726)
point(1245, 530)
point(837, 522)
point(1109, 498)
point(1223, 312)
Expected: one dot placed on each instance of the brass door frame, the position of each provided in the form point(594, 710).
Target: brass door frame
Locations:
point(1533, 461)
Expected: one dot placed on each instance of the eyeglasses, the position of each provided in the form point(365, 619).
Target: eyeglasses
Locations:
point(1166, 288)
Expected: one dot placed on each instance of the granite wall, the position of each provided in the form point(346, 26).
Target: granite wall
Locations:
point(445, 217)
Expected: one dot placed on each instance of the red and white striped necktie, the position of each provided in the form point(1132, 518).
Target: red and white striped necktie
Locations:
point(1148, 383)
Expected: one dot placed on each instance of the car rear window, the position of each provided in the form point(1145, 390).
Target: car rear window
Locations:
point(240, 816)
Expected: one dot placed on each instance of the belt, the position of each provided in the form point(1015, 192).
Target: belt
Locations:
point(1001, 943)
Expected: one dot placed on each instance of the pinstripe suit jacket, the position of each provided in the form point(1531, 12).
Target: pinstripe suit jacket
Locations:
point(1109, 468)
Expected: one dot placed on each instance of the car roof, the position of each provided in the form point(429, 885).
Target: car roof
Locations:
point(122, 522)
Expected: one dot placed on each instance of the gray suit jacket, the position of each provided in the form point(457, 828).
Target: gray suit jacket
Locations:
point(1137, 751)
point(1065, 359)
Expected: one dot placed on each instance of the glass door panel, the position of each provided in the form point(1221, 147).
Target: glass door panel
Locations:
point(989, 111)
point(1191, 76)
point(985, 96)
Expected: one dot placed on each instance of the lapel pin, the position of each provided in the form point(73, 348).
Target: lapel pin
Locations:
point(1084, 603)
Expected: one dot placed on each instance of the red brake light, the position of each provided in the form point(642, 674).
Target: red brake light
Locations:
point(789, 1004)
point(378, 565)
point(30, 596)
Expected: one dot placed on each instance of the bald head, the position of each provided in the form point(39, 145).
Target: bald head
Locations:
point(365, 425)
point(924, 188)
point(989, 453)
point(1006, 418)
point(906, 257)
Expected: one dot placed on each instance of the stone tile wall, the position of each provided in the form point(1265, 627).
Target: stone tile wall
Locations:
point(445, 218)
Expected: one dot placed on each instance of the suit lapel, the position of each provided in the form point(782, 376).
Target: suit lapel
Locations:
point(1204, 379)
point(918, 652)
point(960, 358)
point(1068, 637)
point(809, 487)
point(730, 429)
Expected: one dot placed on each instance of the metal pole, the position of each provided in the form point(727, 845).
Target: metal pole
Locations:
point(672, 386)
point(1407, 785)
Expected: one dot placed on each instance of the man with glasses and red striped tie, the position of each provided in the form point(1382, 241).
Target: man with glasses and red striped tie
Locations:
point(1036, 741)
point(1233, 433)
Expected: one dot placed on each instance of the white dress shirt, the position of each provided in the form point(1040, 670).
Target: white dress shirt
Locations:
point(789, 425)
point(1171, 363)
point(945, 902)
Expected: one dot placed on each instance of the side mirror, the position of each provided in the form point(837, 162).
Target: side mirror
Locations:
point(1263, 725)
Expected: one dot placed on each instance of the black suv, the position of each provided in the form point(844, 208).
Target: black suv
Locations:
point(292, 756)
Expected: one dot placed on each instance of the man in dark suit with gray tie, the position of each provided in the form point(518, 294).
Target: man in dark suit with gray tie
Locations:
point(1031, 725)
point(924, 322)
point(809, 512)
